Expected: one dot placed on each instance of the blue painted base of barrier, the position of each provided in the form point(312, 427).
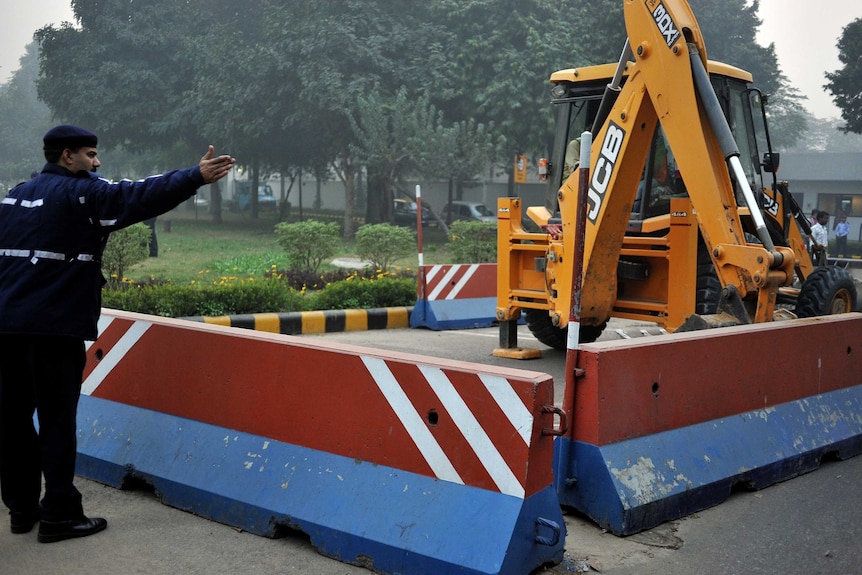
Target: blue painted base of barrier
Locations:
point(455, 313)
point(634, 485)
point(383, 518)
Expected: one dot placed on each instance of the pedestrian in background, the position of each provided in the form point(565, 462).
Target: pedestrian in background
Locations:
point(53, 230)
point(820, 239)
point(842, 230)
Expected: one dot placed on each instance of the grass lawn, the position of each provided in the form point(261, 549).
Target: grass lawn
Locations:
point(196, 249)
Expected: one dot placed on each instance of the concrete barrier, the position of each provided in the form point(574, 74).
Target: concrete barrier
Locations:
point(667, 426)
point(396, 462)
point(305, 322)
point(456, 296)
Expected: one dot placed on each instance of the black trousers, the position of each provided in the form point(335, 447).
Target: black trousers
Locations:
point(40, 374)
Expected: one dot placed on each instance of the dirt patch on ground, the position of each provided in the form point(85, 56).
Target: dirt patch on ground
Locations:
point(591, 549)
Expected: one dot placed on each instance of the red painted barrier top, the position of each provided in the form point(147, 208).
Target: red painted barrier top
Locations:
point(638, 387)
point(460, 281)
point(456, 421)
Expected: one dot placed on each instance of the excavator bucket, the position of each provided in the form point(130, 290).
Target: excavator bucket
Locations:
point(666, 426)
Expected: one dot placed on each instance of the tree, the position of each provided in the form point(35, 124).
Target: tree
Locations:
point(133, 97)
point(501, 54)
point(251, 101)
point(340, 53)
point(457, 152)
point(136, 98)
point(23, 122)
point(729, 29)
point(280, 82)
point(382, 132)
point(845, 84)
point(826, 136)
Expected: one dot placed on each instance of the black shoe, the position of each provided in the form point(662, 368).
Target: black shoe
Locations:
point(53, 531)
point(23, 521)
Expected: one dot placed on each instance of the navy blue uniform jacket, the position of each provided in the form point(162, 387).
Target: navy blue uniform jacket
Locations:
point(53, 230)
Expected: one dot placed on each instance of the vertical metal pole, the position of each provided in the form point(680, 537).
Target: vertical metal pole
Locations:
point(421, 271)
point(574, 328)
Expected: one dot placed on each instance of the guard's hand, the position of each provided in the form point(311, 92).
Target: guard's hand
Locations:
point(215, 168)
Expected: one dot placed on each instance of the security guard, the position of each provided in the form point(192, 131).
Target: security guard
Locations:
point(53, 230)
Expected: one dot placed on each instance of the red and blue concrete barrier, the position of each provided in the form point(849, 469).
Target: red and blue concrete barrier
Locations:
point(400, 463)
point(664, 427)
point(456, 296)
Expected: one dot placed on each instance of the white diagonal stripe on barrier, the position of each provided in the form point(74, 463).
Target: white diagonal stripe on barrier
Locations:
point(411, 420)
point(443, 282)
point(113, 357)
point(506, 397)
point(431, 272)
point(463, 281)
point(482, 446)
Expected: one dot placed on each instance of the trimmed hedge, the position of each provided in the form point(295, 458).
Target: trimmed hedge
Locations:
point(366, 294)
point(258, 296)
point(383, 244)
point(125, 248)
point(170, 300)
point(308, 244)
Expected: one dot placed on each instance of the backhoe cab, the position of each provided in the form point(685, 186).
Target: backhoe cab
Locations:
point(687, 224)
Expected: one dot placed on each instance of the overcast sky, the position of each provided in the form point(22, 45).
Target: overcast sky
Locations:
point(804, 38)
point(805, 42)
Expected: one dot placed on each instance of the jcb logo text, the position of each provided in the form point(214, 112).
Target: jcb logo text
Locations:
point(604, 170)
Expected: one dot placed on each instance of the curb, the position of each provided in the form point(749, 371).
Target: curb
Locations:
point(306, 322)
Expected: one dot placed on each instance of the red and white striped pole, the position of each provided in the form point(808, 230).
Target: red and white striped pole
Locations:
point(421, 271)
point(574, 328)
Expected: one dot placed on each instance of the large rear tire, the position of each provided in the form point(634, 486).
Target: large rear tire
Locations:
point(828, 290)
point(540, 325)
point(707, 286)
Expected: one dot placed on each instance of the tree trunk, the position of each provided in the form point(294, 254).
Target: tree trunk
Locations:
point(215, 203)
point(255, 183)
point(349, 193)
point(449, 213)
point(374, 197)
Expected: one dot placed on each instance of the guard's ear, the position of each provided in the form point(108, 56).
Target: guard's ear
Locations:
point(66, 158)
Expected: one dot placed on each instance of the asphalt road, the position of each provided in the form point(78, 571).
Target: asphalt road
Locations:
point(809, 525)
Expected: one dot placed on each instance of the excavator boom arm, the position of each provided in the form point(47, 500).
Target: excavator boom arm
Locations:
point(661, 88)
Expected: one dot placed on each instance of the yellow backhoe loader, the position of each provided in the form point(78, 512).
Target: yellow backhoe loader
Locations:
point(686, 222)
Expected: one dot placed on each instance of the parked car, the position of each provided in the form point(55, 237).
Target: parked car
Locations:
point(241, 200)
point(404, 212)
point(469, 211)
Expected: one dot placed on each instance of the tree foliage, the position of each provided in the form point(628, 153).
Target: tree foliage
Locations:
point(385, 141)
point(23, 121)
point(134, 95)
point(337, 86)
point(501, 54)
point(404, 135)
point(845, 84)
point(728, 28)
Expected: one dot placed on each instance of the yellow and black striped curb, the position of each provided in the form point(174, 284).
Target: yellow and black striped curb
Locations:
point(304, 322)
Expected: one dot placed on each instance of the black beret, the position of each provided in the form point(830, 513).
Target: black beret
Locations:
point(61, 137)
